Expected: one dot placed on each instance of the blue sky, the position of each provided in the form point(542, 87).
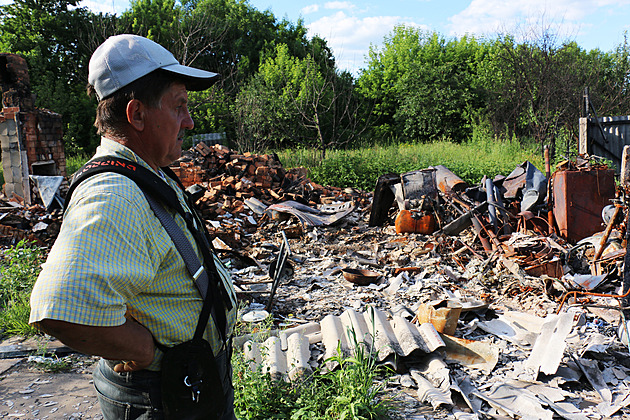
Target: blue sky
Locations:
point(350, 27)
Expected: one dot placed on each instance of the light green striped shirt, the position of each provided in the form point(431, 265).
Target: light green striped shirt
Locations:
point(112, 255)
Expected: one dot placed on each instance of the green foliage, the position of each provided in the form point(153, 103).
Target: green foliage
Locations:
point(295, 101)
point(346, 392)
point(257, 395)
point(281, 89)
point(157, 20)
point(20, 267)
point(423, 85)
point(51, 35)
point(74, 163)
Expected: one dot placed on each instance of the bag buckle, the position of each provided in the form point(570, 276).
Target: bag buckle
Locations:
point(194, 388)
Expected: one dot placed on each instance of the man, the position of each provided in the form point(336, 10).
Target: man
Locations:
point(114, 283)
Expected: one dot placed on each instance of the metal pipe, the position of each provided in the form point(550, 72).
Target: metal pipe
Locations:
point(492, 210)
point(549, 197)
point(479, 229)
point(606, 234)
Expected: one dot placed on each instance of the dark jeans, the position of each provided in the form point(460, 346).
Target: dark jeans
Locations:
point(137, 395)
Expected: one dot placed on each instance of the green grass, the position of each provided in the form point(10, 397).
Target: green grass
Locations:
point(361, 167)
point(347, 392)
point(19, 269)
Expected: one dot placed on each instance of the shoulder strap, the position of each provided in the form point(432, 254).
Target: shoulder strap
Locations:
point(195, 269)
point(146, 180)
point(152, 185)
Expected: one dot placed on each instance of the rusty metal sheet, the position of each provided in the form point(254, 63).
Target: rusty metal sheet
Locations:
point(578, 200)
point(586, 281)
point(551, 268)
point(447, 181)
point(515, 181)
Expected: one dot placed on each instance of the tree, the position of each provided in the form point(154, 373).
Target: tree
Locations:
point(441, 97)
point(423, 85)
point(381, 81)
point(535, 88)
point(294, 103)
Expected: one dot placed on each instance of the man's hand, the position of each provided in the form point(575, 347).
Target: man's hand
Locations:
point(131, 341)
point(127, 367)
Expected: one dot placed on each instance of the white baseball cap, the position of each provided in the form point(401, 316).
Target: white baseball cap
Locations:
point(122, 59)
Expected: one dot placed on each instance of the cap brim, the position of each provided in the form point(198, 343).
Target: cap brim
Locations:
point(195, 79)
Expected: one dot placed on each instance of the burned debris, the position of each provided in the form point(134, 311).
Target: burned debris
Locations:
point(489, 300)
point(474, 295)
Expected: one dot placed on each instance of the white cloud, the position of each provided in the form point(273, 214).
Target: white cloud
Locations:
point(312, 8)
point(111, 6)
point(339, 5)
point(526, 17)
point(350, 37)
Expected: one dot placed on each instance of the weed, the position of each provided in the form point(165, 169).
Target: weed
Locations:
point(48, 364)
point(347, 392)
point(257, 395)
point(19, 270)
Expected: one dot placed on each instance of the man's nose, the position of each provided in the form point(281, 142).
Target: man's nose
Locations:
point(188, 122)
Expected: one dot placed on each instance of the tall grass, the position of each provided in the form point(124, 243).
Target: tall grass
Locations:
point(73, 163)
point(361, 167)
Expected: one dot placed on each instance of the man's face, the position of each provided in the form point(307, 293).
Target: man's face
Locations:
point(166, 126)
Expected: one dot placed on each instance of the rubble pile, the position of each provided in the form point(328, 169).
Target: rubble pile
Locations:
point(33, 223)
point(545, 306)
point(226, 181)
point(511, 290)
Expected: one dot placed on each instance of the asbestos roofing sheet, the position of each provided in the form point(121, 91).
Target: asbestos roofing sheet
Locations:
point(519, 328)
point(390, 337)
point(280, 364)
point(550, 344)
point(375, 329)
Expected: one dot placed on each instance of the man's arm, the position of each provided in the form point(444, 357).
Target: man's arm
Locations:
point(131, 341)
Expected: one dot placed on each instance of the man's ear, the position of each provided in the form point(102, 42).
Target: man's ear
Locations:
point(136, 112)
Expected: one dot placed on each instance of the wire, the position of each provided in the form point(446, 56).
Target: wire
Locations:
point(575, 292)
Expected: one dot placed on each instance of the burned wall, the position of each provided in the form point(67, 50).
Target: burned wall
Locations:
point(31, 138)
point(15, 83)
